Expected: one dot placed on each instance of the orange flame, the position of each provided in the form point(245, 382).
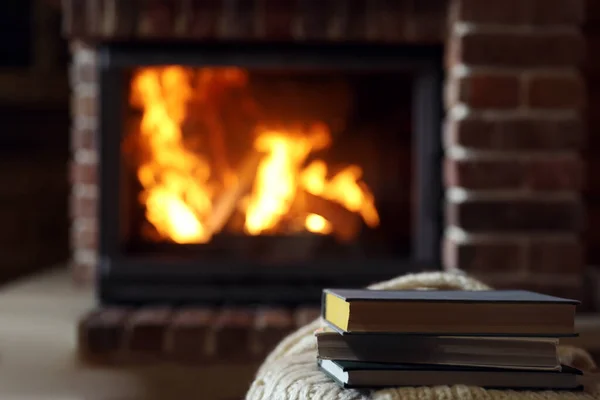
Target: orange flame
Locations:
point(277, 176)
point(179, 188)
point(344, 188)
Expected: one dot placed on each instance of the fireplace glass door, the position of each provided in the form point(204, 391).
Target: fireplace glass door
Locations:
point(233, 173)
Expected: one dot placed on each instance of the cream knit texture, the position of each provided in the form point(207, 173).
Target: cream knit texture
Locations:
point(290, 372)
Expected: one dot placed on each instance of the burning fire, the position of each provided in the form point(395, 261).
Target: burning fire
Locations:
point(188, 202)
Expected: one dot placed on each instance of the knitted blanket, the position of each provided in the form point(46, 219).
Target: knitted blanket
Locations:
point(290, 371)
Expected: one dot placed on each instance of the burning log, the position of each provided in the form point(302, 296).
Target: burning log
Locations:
point(345, 224)
point(227, 203)
point(216, 138)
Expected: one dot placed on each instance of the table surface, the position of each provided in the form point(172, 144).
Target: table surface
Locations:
point(38, 317)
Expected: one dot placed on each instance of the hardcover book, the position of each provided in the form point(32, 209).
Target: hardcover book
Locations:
point(492, 312)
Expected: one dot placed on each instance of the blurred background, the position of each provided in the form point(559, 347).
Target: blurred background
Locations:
point(34, 139)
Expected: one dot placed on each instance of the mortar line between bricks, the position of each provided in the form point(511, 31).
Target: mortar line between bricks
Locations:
point(461, 70)
point(84, 56)
point(84, 223)
point(462, 111)
point(461, 236)
point(85, 190)
point(84, 122)
point(86, 157)
point(460, 195)
point(85, 89)
point(85, 256)
point(463, 28)
point(458, 153)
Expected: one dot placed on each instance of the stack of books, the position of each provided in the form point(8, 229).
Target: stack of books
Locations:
point(491, 339)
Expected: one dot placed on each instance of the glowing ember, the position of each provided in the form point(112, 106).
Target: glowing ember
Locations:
point(317, 224)
point(188, 196)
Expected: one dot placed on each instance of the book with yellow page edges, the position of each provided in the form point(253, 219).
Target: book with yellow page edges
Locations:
point(493, 312)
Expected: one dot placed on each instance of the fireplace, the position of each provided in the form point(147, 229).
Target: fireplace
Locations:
point(259, 174)
point(510, 194)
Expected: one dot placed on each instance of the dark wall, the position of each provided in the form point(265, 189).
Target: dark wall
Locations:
point(591, 69)
point(34, 127)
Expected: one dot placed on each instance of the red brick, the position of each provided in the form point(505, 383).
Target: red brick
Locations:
point(555, 92)
point(232, 334)
point(101, 332)
point(502, 216)
point(482, 174)
point(83, 173)
point(155, 17)
point(511, 12)
point(562, 173)
point(555, 173)
point(490, 91)
point(498, 256)
point(278, 19)
point(73, 18)
point(83, 73)
point(356, 20)
point(83, 275)
point(204, 17)
point(522, 12)
point(146, 331)
point(315, 18)
point(84, 239)
point(424, 22)
point(556, 256)
point(116, 17)
point(82, 139)
point(516, 134)
point(238, 19)
point(429, 29)
point(518, 50)
point(270, 326)
point(84, 106)
point(557, 12)
point(400, 20)
point(188, 334)
point(83, 207)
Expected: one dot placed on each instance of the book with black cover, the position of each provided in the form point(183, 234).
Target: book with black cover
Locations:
point(491, 312)
point(478, 351)
point(349, 374)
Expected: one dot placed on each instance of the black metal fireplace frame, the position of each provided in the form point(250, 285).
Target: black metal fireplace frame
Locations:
point(127, 279)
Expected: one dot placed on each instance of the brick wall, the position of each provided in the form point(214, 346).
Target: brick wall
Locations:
point(274, 20)
point(513, 134)
point(84, 161)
